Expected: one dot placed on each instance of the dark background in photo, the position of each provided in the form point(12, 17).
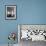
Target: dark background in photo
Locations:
point(10, 12)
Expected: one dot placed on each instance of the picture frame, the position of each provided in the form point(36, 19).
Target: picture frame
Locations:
point(10, 12)
point(39, 28)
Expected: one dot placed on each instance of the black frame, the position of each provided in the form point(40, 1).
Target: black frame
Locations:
point(15, 12)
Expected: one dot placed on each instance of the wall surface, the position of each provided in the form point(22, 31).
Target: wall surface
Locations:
point(28, 12)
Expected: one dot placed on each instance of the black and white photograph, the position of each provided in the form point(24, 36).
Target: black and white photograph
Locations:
point(31, 34)
point(10, 12)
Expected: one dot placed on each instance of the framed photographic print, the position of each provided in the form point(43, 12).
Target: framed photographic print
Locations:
point(10, 12)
